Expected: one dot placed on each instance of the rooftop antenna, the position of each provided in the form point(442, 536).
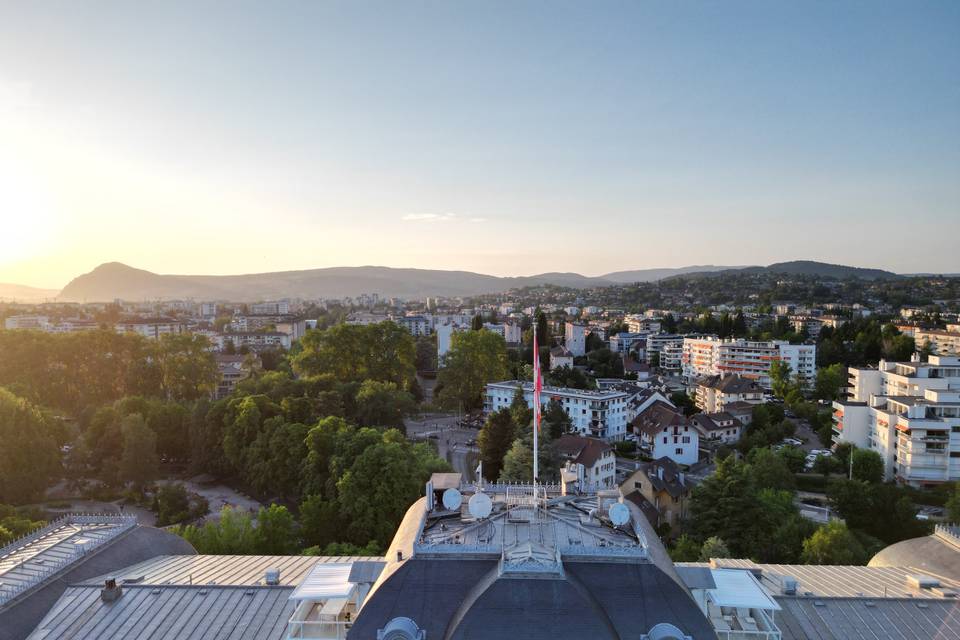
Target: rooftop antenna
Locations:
point(619, 514)
point(480, 505)
point(452, 499)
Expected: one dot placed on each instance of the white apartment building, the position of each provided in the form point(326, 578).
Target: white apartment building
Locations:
point(637, 323)
point(208, 309)
point(623, 342)
point(26, 322)
point(601, 414)
point(416, 325)
point(511, 332)
point(256, 340)
point(575, 338)
point(715, 356)
point(671, 356)
point(942, 342)
point(151, 328)
point(277, 307)
point(909, 413)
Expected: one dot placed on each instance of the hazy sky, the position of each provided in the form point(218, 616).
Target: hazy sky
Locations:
point(504, 137)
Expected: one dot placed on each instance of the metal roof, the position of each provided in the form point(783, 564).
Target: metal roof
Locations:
point(159, 612)
point(222, 570)
point(866, 619)
point(829, 581)
point(28, 561)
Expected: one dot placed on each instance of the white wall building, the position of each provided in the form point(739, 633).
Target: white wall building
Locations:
point(560, 357)
point(623, 342)
point(152, 328)
point(909, 413)
point(715, 356)
point(575, 338)
point(601, 414)
point(276, 307)
point(589, 462)
point(666, 432)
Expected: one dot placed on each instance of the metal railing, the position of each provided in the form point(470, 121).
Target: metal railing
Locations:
point(39, 574)
point(315, 629)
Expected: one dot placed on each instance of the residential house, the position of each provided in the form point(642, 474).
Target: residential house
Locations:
point(590, 462)
point(666, 432)
point(714, 393)
point(718, 428)
point(664, 487)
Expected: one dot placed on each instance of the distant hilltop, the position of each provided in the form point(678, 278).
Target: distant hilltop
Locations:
point(115, 280)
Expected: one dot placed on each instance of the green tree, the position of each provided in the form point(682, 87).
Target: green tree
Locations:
point(769, 470)
point(867, 465)
point(320, 522)
point(139, 463)
point(725, 505)
point(780, 378)
point(171, 503)
point(382, 404)
point(373, 508)
point(275, 531)
point(830, 380)
point(521, 413)
point(475, 359)
point(713, 547)
point(29, 458)
point(495, 439)
point(953, 504)
point(555, 420)
point(833, 543)
point(686, 549)
point(188, 370)
point(384, 352)
point(230, 534)
point(477, 323)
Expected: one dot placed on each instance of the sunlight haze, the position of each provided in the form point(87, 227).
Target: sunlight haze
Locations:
point(237, 138)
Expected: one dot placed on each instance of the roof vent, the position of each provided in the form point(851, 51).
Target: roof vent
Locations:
point(921, 581)
point(788, 586)
point(272, 577)
point(111, 590)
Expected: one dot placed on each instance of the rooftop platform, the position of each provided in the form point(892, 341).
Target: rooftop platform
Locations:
point(29, 561)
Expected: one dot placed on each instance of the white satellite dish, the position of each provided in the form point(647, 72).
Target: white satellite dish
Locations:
point(480, 505)
point(619, 514)
point(452, 499)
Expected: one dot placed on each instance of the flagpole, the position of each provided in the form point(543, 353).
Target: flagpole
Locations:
point(536, 405)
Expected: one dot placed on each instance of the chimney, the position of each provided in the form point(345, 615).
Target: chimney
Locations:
point(399, 556)
point(272, 577)
point(111, 590)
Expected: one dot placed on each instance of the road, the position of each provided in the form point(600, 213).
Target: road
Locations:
point(451, 440)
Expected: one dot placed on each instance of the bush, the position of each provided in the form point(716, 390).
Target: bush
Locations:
point(812, 482)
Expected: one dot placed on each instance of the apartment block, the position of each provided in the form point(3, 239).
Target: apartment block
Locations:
point(601, 414)
point(909, 413)
point(715, 356)
point(575, 338)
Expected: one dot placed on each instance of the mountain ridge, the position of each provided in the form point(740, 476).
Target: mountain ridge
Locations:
point(114, 280)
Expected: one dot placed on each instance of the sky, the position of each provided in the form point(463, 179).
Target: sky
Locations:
point(504, 137)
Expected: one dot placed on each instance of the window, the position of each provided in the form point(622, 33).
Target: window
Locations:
point(664, 440)
point(686, 439)
point(679, 452)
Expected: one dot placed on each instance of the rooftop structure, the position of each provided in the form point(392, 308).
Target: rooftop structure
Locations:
point(36, 569)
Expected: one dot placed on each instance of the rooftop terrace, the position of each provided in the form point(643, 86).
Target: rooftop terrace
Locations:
point(29, 561)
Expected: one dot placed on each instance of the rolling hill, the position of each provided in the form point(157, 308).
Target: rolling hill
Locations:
point(115, 280)
point(22, 293)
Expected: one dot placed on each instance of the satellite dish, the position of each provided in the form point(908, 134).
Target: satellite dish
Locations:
point(452, 499)
point(619, 514)
point(480, 505)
